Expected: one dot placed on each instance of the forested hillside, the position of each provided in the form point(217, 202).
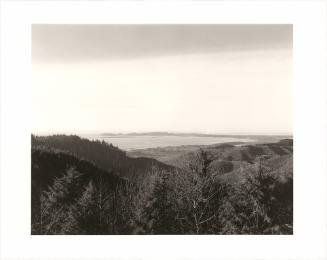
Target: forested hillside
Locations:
point(91, 187)
point(239, 152)
point(104, 155)
point(62, 187)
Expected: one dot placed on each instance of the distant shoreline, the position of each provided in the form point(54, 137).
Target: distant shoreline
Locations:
point(154, 140)
point(191, 134)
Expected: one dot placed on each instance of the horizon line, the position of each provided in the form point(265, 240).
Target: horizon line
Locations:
point(155, 132)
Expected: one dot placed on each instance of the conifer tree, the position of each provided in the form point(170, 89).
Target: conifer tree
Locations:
point(56, 203)
point(93, 212)
point(259, 188)
point(159, 212)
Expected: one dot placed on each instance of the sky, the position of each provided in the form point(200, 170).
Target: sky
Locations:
point(223, 79)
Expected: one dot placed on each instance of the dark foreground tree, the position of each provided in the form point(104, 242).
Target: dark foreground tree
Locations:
point(159, 211)
point(199, 194)
point(258, 205)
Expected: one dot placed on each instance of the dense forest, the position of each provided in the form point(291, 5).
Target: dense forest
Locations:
point(91, 187)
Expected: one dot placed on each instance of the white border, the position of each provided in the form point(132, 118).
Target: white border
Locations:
point(309, 240)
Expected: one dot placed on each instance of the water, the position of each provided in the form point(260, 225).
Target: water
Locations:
point(132, 142)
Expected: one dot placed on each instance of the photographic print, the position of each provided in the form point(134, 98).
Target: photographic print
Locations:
point(162, 129)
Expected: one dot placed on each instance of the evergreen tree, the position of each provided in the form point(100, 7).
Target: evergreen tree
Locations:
point(56, 203)
point(259, 188)
point(93, 212)
point(159, 212)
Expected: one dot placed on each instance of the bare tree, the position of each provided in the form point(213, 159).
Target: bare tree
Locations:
point(197, 192)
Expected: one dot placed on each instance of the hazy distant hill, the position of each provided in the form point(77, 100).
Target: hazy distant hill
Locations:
point(280, 166)
point(227, 157)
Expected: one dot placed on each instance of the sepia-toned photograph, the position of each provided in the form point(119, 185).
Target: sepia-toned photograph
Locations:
point(162, 129)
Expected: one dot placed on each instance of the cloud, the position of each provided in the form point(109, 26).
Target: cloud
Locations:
point(92, 43)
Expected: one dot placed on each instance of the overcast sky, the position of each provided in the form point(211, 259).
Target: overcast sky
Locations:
point(176, 78)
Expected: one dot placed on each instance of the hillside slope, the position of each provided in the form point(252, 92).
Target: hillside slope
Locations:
point(61, 178)
point(224, 158)
point(104, 155)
